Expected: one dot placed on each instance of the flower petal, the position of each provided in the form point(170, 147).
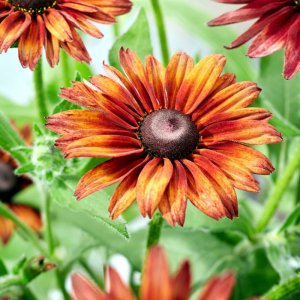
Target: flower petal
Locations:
point(181, 283)
point(218, 287)
point(152, 183)
point(242, 131)
point(174, 202)
point(156, 282)
point(84, 289)
point(6, 230)
point(178, 68)
point(12, 27)
point(31, 43)
point(103, 146)
point(107, 174)
point(199, 83)
point(52, 49)
point(239, 174)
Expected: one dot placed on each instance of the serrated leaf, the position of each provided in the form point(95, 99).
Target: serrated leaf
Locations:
point(95, 205)
point(137, 38)
point(9, 139)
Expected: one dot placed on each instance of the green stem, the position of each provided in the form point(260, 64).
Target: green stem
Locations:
point(61, 283)
point(40, 92)
point(281, 186)
point(47, 222)
point(161, 30)
point(284, 290)
point(154, 230)
point(9, 281)
point(116, 29)
point(25, 229)
point(65, 68)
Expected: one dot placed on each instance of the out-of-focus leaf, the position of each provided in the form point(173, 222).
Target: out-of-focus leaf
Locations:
point(10, 139)
point(3, 270)
point(95, 205)
point(64, 105)
point(291, 219)
point(137, 38)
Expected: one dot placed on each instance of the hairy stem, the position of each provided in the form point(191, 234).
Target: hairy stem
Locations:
point(65, 68)
point(40, 92)
point(161, 30)
point(280, 187)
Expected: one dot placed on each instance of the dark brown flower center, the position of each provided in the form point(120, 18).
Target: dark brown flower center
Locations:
point(32, 6)
point(168, 133)
point(8, 180)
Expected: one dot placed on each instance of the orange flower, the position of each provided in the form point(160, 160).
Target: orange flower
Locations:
point(10, 185)
point(157, 283)
point(172, 134)
point(35, 24)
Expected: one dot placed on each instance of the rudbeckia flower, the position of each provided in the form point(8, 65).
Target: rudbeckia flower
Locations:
point(10, 185)
point(173, 134)
point(157, 283)
point(52, 24)
point(277, 27)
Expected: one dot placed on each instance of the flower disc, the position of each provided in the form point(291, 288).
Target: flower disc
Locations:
point(168, 133)
point(32, 6)
point(8, 179)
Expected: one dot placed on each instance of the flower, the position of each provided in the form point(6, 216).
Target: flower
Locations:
point(157, 283)
point(277, 27)
point(10, 185)
point(52, 24)
point(172, 134)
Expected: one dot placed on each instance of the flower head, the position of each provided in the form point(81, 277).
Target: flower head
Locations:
point(52, 24)
point(10, 185)
point(157, 283)
point(277, 27)
point(172, 134)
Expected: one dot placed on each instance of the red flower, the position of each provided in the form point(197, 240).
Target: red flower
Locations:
point(52, 24)
point(277, 27)
point(157, 283)
point(172, 134)
point(10, 185)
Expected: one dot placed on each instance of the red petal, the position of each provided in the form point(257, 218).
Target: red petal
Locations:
point(52, 49)
point(181, 283)
point(107, 174)
point(152, 183)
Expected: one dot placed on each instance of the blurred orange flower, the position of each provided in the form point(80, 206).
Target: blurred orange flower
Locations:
point(172, 134)
point(52, 24)
point(157, 283)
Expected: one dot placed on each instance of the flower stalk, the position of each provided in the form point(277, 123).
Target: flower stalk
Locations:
point(159, 19)
point(154, 230)
point(40, 92)
point(280, 187)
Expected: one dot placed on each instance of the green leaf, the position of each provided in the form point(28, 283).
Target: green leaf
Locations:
point(3, 270)
point(95, 205)
point(9, 139)
point(26, 168)
point(291, 219)
point(64, 105)
point(137, 38)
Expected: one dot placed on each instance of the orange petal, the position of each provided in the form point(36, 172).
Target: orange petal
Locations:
point(31, 43)
point(252, 159)
point(136, 74)
point(173, 205)
point(117, 289)
point(113, 7)
point(107, 174)
point(75, 120)
point(202, 193)
point(223, 82)
point(6, 229)
point(152, 183)
point(221, 183)
point(249, 113)
point(12, 27)
point(178, 68)
point(218, 287)
point(239, 174)
point(57, 25)
point(156, 282)
point(235, 96)
point(124, 194)
point(181, 283)
point(199, 83)
point(83, 289)
point(52, 49)
point(28, 215)
point(242, 131)
point(103, 146)
point(156, 75)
